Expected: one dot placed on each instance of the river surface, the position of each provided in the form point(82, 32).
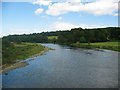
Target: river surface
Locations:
point(66, 67)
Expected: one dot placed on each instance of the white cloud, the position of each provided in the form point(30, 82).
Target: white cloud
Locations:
point(39, 11)
point(62, 8)
point(69, 26)
point(63, 26)
point(59, 18)
point(97, 7)
point(42, 2)
point(93, 26)
point(116, 14)
point(100, 7)
point(74, 1)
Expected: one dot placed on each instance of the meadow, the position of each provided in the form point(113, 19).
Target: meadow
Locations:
point(21, 51)
point(101, 45)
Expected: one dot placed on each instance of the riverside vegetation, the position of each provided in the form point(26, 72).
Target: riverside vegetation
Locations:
point(101, 45)
point(13, 52)
point(15, 46)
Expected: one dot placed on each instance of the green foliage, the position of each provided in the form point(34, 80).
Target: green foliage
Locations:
point(82, 39)
point(102, 45)
point(70, 36)
point(19, 51)
point(52, 39)
point(89, 35)
point(35, 37)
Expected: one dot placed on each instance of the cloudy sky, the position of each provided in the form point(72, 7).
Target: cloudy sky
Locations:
point(34, 16)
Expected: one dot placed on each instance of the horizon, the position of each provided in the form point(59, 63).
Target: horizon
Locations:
point(56, 31)
point(39, 16)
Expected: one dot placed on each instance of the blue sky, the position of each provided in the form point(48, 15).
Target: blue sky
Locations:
point(50, 15)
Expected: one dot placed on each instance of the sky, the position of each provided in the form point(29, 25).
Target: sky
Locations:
point(36, 16)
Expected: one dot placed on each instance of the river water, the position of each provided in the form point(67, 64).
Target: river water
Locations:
point(66, 67)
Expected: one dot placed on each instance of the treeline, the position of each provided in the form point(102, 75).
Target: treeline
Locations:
point(89, 35)
point(69, 36)
point(35, 38)
point(86, 35)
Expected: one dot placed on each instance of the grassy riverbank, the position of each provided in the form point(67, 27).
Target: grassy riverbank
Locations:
point(21, 51)
point(101, 45)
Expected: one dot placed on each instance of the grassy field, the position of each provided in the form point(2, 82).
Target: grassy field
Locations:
point(102, 45)
point(22, 51)
point(52, 37)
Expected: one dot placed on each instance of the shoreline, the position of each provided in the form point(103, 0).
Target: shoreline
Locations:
point(97, 46)
point(20, 63)
point(13, 66)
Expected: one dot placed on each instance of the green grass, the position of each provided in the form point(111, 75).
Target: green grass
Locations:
point(52, 37)
point(22, 51)
point(102, 45)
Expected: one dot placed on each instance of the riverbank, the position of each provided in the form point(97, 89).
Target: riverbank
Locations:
point(13, 66)
point(99, 45)
point(20, 52)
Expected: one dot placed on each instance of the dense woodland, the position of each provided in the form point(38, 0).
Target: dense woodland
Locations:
point(69, 36)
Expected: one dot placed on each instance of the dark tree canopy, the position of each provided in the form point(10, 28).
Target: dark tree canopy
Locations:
point(70, 36)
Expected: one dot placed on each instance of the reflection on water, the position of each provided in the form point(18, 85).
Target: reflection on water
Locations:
point(67, 67)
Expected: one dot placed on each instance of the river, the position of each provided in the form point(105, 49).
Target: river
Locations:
point(66, 67)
